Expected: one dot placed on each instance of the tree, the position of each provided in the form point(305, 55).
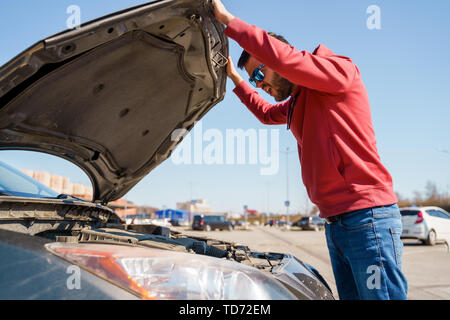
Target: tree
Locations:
point(417, 197)
point(431, 192)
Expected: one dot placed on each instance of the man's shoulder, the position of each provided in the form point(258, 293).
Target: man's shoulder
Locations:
point(324, 51)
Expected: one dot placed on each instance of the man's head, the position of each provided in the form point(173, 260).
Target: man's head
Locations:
point(273, 84)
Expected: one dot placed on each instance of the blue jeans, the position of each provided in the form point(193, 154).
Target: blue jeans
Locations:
point(366, 254)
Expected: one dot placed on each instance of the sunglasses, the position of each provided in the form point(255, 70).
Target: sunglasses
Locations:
point(257, 75)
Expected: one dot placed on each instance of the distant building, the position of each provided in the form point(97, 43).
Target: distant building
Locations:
point(173, 214)
point(123, 207)
point(62, 184)
point(233, 215)
point(252, 213)
point(194, 206)
point(46, 179)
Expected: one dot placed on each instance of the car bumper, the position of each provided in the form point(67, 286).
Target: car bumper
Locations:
point(419, 231)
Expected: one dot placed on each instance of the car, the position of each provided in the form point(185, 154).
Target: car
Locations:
point(211, 222)
point(177, 222)
point(276, 223)
point(242, 224)
point(44, 236)
point(310, 223)
point(428, 224)
point(108, 97)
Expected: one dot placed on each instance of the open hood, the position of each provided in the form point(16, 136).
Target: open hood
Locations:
point(108, 96)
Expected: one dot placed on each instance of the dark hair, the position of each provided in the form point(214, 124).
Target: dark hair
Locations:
point(245, 56)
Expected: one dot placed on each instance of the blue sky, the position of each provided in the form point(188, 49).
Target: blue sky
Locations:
point(404, 65)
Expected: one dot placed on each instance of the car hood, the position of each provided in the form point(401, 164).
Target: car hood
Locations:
point(109, 95)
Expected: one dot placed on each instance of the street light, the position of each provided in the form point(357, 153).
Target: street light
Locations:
point(268, 203)
point(287, 203)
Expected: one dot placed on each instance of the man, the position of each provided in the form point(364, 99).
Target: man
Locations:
point(328, 112)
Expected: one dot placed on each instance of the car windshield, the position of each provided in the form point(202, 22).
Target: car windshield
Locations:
point(15, 183)
point(409, 212)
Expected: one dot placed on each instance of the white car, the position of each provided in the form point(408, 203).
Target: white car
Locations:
point(428, 224)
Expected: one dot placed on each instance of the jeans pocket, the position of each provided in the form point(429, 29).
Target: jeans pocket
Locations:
point(397, 244)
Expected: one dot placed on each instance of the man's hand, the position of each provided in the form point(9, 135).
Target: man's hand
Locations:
point(221, 13)
point(232, 72)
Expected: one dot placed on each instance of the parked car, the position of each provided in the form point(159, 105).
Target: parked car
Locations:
point(276, 223)
point(428, 224)
point(211, 222)
point(177, 222)
point(310, 223)
point(242, 224)
point(108, 97)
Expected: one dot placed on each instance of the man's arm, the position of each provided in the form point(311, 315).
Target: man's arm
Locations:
point(332, 74)
point(266, 113)
point(221, 13)
point(232, 73)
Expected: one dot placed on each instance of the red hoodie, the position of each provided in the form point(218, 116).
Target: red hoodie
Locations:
point(341, 168)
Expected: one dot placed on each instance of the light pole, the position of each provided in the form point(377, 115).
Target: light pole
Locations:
point(191, 203)
point(287, 203)
point(268, 202)
point(245, 213)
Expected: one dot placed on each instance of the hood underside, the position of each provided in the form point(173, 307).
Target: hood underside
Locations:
point(109, 95)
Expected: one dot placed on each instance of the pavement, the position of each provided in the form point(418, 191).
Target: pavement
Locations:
point(426, 267)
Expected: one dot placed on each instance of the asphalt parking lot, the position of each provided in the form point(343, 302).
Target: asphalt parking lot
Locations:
point(426, 268)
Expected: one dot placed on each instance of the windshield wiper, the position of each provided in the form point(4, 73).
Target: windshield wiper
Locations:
point(67, 196)
point(2, 193)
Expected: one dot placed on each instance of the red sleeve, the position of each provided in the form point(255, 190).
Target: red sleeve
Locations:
point(332, 74)
point(266, 113)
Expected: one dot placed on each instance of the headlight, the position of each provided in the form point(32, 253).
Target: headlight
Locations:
point(161, 274)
